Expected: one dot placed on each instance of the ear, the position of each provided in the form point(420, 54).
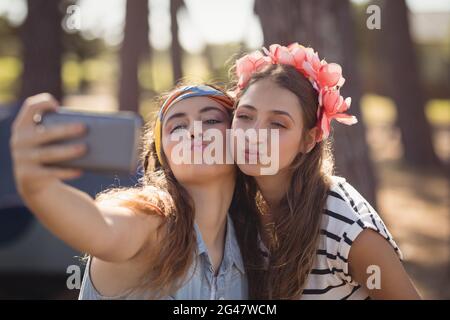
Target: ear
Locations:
point(309, 140)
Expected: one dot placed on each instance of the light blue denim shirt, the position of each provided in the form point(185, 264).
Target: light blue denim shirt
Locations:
point(229, 283)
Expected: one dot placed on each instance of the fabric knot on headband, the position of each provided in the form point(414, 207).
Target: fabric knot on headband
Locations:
point(325, 77)
point(181, 94)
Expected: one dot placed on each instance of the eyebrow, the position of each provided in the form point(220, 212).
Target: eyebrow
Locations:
point(283, 113)
point(202, 110)
point(176, 115)
point(209, 108)
point(247, 106)
point(280, 112)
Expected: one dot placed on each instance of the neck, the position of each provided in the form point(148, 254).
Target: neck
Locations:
point(274, 188)
point(212, 201)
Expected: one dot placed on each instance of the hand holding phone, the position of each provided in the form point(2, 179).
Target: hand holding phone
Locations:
point(31, 149)
point(112, 140)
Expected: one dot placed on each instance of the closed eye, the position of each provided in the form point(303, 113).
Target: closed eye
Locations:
point(279, 125)
point(180, 126)
point(243, 117)
point(212, 121)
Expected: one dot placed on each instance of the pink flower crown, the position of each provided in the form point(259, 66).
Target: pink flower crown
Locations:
point(325, 77)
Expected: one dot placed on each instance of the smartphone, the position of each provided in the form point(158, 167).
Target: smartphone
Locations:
point(113, 140)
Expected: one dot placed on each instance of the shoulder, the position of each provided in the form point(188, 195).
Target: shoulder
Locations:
point(345, 206)
point(341, 192)
point(346, 214)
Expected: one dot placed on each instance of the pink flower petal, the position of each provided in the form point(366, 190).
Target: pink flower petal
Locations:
point(329, 74)
point(339, 106)
point(298, 53)
point(348, 102)
point(307, 67)
point(330, 100)
point(345, 119)
point(273, 52)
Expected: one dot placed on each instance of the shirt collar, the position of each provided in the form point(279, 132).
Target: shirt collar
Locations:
point(232, 253)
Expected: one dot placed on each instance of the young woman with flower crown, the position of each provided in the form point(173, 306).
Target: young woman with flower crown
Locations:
point(314, 236)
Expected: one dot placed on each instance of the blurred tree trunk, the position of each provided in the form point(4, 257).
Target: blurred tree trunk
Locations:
point(280, 21)
point(135, 46)
point(403, 84)
point(327, 26)
point(175, 50)
point(42, 49)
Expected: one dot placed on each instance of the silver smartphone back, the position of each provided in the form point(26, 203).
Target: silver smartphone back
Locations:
point(113, 140)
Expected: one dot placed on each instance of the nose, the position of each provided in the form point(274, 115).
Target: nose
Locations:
point(195, 129)
point(258, 124)
point(262, 132)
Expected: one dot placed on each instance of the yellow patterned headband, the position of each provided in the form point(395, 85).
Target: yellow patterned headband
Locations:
point(181, 94)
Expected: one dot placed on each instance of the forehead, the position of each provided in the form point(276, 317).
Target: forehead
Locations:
point(193, 105)
point(266, 95)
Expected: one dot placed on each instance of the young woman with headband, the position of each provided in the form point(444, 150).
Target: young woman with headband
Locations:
point(171, 237)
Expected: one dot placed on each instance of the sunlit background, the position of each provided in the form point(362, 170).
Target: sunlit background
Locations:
point(84, 52)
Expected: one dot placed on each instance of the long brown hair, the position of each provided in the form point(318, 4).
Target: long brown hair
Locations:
point(296, 224)
point(159, 193)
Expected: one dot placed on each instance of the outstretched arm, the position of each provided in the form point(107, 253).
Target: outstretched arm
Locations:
point(110, 232)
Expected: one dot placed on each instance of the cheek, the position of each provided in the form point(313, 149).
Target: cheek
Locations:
point(213, 136)
point(223, 128)
point(225, 142)
point(234, 123)
point(167, 147)
point(240, 124)
point(289, 144)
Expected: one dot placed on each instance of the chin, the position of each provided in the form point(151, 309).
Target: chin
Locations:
point(201, 173)
point(253, 170)
point(257, 170)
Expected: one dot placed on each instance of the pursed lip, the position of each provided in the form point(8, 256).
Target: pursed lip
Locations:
point(251, 154)
point(198, 146)
point(249, 151)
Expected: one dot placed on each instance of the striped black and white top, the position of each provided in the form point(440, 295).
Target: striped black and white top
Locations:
point(345, 216)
